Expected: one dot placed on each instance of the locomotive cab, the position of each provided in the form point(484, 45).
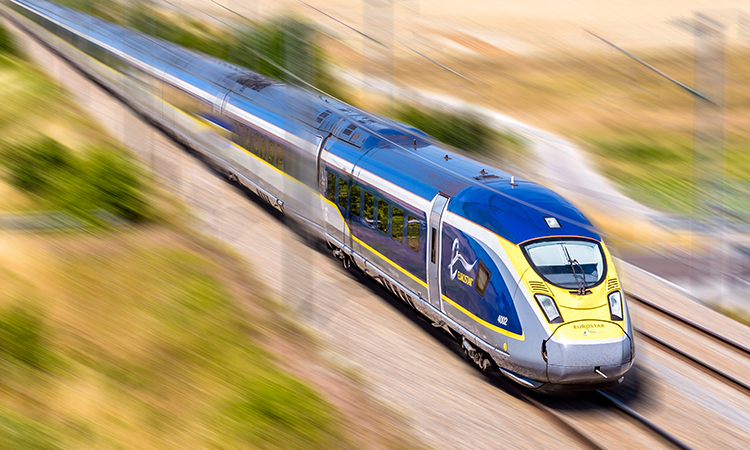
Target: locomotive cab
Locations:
point(553, 314)
point(575, 287)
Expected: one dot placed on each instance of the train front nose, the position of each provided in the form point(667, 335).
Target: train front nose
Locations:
point(588, 352)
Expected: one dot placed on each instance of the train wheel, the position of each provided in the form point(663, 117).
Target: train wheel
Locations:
point(346, 262)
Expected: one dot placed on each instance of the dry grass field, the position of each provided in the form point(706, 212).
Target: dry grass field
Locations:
point(148, 334)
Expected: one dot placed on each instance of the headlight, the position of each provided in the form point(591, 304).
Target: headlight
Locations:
point(615, 305)
point(549, 307)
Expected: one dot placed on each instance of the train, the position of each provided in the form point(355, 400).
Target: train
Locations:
point(509, 268)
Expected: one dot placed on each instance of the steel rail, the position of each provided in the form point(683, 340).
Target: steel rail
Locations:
point(739, 347)
point(643, 420)
point(690, 324)
point(695, 360)
point(528, 397)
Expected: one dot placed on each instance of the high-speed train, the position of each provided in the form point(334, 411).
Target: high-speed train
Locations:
point(509, 268)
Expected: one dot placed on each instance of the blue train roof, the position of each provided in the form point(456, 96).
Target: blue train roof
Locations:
point(483, 194)
point(517, 213)
point(425, 170)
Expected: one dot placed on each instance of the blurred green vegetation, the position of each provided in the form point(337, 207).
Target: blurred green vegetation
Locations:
point(659, 169)
point(24, 338)
point(86, 185)
point(7, 45)
point(740, 315)
point(19, 432)
point(651, 169)
point(23, 89)
point(179, 345)
point(145, 327)
point(281, 413)
point(463, 131)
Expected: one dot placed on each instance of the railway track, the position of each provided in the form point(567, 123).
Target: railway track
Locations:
point(722, 357)
point(590, 418)
point(591, 436)
point(716, 356)
point(697, 381)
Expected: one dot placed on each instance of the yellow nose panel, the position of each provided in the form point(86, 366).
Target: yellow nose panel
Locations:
point(588, 330)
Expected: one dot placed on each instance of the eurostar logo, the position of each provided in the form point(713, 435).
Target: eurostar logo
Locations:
point(457, 257)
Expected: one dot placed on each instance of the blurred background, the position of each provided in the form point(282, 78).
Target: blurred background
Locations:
point(144, 311)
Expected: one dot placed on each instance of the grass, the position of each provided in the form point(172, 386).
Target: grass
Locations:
point(462, 131)
point(53, 158)
point(738, 314)
point(177, 341)
point(663, 170)
point(144, 324)
point(17, 431)
point(86, 186)
point(149, 336)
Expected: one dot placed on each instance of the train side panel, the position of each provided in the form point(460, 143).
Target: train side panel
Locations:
point(482, 290)
point(374, 221)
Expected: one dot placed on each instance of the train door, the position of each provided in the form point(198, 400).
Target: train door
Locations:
point(221, 101)
point(335, 186)
point(433, 249)
point(218, 145)
point(355, 202)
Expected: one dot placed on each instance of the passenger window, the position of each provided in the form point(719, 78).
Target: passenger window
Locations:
point(369, 208)
point(256, 143)
point(354, 200)
point(247, 138)
point(279, 157)
point(243, 136)
point(382, 215)
point(397, 227)
point(263, 147)
point(412, 233)
point(271, 151)
point(433, 258)
point(331, 187)
point(236, 129)
point(483, 278)
point(343, 194)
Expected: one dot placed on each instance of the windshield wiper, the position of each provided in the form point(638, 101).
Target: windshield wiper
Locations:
point(573, 263)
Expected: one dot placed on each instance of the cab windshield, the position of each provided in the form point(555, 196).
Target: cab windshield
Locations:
point(569, 264)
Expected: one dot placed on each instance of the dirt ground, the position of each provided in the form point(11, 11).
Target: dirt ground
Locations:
point(480, 26)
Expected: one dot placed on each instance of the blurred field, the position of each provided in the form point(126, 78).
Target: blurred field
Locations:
point(637, 126)
point(143, 333)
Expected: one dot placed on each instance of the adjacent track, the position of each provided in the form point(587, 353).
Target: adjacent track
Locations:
point(732, 354)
